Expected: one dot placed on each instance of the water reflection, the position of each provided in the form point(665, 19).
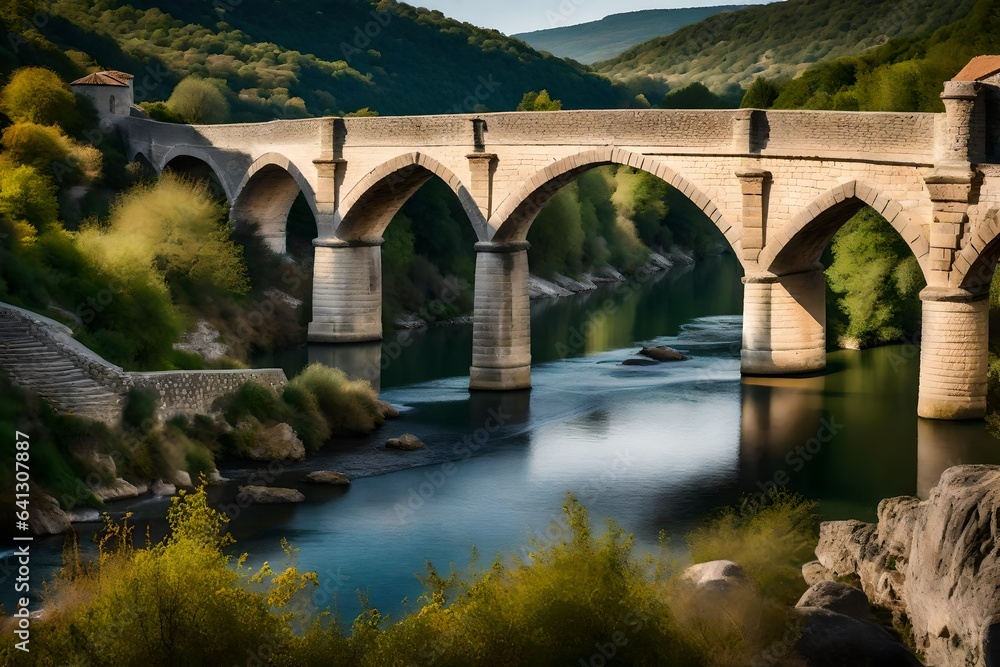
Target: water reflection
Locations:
point(943, 444)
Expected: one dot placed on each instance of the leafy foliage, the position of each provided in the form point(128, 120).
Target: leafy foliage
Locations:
point(539, 101)
point(38, 95)
point(760, 95)
point(199, 101)
point(877, 281)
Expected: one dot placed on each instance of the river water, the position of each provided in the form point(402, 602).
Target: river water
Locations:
point(654, 447)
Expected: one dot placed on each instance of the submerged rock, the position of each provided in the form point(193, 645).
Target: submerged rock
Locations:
point(278, 443)
point(268, 495)
point(84, 516)
point(160, 489)
point(388, 411)
point(406, 442)
point(640, 362)
point(331, 477)
point(662, 353)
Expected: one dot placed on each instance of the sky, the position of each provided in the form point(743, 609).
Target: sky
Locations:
point(514, 16)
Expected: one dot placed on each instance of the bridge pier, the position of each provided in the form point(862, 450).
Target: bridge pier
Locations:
point(347, 291)
point(784, 323)
point(501, 328)
point(953, 354)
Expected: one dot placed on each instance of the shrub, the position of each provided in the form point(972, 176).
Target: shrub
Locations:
point(350, 407)
point(199, 101)
point(51, 152)
point(255, 400)
point(27, 196)
point(38, 95)
point(305, 416)
point(140, 409)
point(771, 539)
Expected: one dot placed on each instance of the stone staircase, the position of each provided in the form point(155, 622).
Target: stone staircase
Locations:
point(40, 354)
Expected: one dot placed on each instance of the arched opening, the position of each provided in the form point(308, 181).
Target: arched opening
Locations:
point(198, 170)
point(373, 202)
point(976, 265)
point(426, 223)
point(270, 193)
point(873, 262)
point(142, 168)
point(626, 228)
point(111, 104)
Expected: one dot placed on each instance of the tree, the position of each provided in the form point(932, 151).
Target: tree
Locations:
point(694, 96)
point(199, 101)
point(13, 12)
point(51, 152)
point(27, 196)
point(533, 101)
point(877, 281)
point(760, 95)
point(38, 95)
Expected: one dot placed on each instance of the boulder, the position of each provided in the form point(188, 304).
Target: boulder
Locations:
point(584, 284)
point(406, 442)
point(814, 572)
point(935, 562)
point(829, 639)
point(662, 353)
point(716, 575)
point(214, 477)
point(117, 490)
point(182, 478)
point(46, 517)
point(268, 495)
point(658, 262)
point(388, 412)
point(838, 597)
point(160, 489)
point(640, 362)
point(278, 443)
point(326, 477)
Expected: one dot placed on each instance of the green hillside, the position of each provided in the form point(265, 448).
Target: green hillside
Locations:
point(600, 40)
point(780, 39)
point(293, 58)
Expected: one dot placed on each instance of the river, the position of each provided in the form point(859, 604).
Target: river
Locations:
point(655, 447)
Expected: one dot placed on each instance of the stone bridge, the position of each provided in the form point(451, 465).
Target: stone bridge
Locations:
point(777, 184)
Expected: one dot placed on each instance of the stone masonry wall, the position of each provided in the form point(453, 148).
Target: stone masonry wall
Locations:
point(180, 392)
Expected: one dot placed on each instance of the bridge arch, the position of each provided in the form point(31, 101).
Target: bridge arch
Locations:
point(370, 205)
point(200, 165)
point(977, 261)
point(513, 217)
point(798, 244)
point(144, 164)
point(266, 194)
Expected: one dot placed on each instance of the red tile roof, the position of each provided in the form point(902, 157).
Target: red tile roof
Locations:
point(100, 79)
point(979, 68)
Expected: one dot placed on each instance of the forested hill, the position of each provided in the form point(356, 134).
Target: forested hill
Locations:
point(604, 39)
point(291, 58)
point(779, 39)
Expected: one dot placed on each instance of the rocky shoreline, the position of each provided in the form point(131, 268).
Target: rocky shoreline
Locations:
point(561, 286)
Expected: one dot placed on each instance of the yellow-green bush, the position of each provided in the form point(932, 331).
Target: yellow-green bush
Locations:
point(38, 95)
point(179, 228)
point(51, 152)
point(350, 407)
point(27, 197)
point(183, 601)
point(771, 538)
